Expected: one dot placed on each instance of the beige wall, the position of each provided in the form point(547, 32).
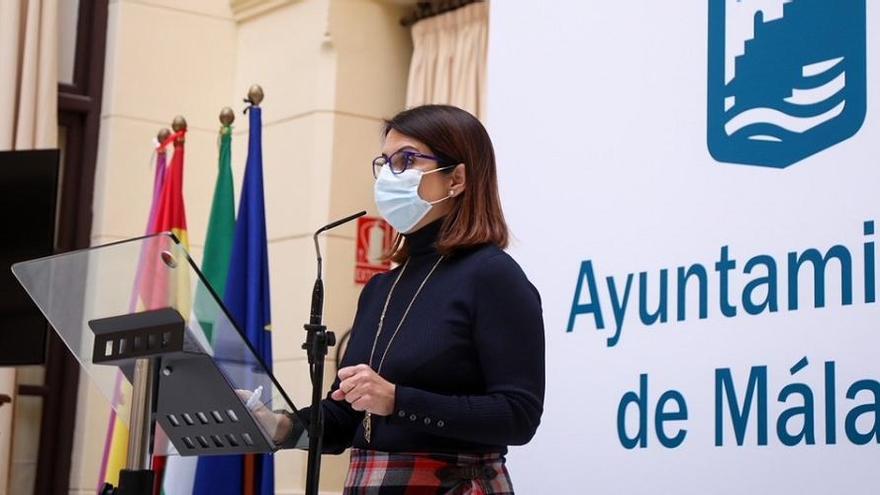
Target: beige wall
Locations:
point(331, 70)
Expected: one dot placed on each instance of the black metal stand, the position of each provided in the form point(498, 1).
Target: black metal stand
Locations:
point(134, 343)
point(131, 483)
point(318, 340)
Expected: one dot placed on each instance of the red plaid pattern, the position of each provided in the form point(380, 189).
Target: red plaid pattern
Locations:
point(371, 472)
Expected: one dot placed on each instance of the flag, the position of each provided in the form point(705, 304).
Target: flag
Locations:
point(180, 471)
point(171, 214)
point(155, 290)
point(158, 183)
point(221, 229)
point(247, 298)
point(167, 213)
point(116, 442)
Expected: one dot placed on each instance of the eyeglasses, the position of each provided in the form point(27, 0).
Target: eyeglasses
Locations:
point(400, 161)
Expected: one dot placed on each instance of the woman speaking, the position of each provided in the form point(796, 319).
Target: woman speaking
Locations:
point(445, 366)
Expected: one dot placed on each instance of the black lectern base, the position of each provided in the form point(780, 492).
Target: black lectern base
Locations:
point(131, 483)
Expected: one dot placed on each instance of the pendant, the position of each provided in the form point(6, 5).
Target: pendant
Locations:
point(368, 426)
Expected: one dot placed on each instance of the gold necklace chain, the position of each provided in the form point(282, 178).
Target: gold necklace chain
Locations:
point(368, 420)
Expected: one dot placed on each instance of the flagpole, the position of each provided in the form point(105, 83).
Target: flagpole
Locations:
point(317, 341)
point(249, 475)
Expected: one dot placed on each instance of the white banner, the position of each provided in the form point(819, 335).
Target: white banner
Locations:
point(693, 188)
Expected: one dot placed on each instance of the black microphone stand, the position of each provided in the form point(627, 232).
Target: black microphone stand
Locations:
point(318, 339)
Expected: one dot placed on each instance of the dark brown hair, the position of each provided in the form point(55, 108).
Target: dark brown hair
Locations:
point(455, 136)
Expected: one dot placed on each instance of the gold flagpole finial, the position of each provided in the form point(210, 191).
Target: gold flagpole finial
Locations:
point(227, 116)
point(163, 134)
point(255, 94)
point(179, 123)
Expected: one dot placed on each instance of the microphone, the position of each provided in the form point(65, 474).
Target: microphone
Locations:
point(318, 290)
point(318, 339)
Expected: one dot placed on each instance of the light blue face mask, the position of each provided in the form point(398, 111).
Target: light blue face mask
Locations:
point(397, 197)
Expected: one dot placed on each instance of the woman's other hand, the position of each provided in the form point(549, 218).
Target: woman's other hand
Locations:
point(365, 390)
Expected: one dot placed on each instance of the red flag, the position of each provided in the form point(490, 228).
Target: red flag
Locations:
point(153, 290)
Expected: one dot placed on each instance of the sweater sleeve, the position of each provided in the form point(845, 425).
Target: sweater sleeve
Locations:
point(340, 424)
point(508, 333)
point(340, 420)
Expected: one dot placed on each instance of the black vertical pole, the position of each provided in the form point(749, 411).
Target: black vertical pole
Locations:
point(318, 339)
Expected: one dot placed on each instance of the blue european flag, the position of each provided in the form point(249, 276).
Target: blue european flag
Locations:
point(248, 301)
point(787, 78)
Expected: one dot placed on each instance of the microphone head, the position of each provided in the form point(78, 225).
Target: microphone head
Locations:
point(337, 223)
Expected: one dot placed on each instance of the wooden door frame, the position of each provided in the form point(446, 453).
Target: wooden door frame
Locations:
point(79, 111)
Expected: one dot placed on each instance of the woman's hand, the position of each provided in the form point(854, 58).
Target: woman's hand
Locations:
point(278, 425)
point(365, 390)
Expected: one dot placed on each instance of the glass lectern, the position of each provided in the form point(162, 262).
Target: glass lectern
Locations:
point(160, 346)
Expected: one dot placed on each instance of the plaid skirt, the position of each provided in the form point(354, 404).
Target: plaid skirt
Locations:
point(371, 472)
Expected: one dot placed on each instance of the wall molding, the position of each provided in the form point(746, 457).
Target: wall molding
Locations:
point(244, 10)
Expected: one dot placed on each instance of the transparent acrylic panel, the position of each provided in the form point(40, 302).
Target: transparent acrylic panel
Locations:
point(143, 274)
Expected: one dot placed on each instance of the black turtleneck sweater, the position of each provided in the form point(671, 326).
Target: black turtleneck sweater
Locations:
point(468, 362)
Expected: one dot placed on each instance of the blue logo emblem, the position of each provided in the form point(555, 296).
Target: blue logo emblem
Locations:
point(786, 78)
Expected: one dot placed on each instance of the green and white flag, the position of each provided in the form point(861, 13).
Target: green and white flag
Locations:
point(180, 471)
